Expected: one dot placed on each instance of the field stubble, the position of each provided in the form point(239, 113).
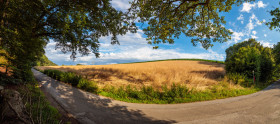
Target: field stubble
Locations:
point(194, 74)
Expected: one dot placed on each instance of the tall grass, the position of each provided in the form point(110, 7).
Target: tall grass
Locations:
point(194, 74)
point(176, 93)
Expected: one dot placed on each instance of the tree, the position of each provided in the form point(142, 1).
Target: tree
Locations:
point(249, 56)
point(27, 25)
point(44, 61)
point(275, 21)
point(199, 19)
point(276, 52)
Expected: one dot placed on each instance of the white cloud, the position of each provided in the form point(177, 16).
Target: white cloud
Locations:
point(236, 36)
point(121, 4)
point(147, 53)
point(265, 35)
point(241, 18)
point(248, 6)
point(253, 22)
point(266, 44)
point(254, 32)
point(254, 36)
point(133, 48)
point(261, 4)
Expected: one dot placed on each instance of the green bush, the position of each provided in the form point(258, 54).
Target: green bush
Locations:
point(248, 56)
point(237, 78)
point(87, 85)
point(54, 74)
point(71, 78)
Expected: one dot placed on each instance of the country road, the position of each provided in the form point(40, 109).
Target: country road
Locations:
point(259, 108)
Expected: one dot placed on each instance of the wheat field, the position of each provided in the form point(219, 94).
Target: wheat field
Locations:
point(194, 74)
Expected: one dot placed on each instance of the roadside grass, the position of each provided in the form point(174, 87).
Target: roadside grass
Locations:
point(38, 108)
point(73, 79)
point(175, 93)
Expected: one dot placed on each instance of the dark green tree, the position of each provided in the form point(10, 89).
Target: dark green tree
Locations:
point(249, 56)
point(276, 52)
point(27, 25)
point(44, 61)
point(274, 23)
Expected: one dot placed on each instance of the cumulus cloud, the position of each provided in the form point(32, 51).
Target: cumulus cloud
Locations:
point(261, 4)
point(237, 36)
point(147, 53)
point(254, 36)
point(266, 44)
point(241, 18)
point(254, 32)
point(253, 22)
point(247, 31)
point(133, 48)
point(247, 7)
point(121, 4)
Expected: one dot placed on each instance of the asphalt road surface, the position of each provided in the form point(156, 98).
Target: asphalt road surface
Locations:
point(259, 108)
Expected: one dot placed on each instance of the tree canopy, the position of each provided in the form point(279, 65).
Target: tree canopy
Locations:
point(248, 56)
point(27, 25)
point(198, 19)
point(274, 23)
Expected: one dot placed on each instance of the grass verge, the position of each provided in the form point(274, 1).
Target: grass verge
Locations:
point(37, 106)
point(147, 94)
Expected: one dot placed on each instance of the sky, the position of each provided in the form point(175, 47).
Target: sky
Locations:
point(245, 21)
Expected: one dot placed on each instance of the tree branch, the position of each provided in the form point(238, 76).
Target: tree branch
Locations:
point(47, 34)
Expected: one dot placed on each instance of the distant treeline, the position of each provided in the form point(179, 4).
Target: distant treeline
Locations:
point(215, 61)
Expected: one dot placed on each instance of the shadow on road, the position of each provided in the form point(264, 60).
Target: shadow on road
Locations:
point(88, 107)
point(275, 85)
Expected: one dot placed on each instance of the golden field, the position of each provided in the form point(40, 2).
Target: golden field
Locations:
point(194, 74)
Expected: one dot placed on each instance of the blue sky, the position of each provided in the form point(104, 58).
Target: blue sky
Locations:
point(245, 21)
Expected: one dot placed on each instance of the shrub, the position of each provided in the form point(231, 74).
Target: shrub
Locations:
point(87, 85)
point(54, 74)
point(71, 78)
point(248, 56)
point(237, 78)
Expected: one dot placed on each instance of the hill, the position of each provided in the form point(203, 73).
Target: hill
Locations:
point(196, 74)
point(44, 61)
